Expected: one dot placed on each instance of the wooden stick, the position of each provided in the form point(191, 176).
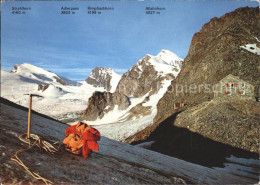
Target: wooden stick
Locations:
point(29, 117)
point(30, 113)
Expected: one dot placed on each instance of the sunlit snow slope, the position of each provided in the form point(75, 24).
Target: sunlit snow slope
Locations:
point(62, 99)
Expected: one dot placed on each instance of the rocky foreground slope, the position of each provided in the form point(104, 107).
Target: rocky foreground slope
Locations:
point(115, 163)
point(215, 52)
point(234, 122)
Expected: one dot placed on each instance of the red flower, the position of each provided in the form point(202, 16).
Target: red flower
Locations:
point(227, 84)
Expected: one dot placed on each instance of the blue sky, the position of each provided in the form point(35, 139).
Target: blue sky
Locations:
point(72, 45)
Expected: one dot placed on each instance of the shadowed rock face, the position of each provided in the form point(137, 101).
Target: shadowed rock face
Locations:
point(233, 122)
point(190, 146)
point(102, 102)
point(214, 53)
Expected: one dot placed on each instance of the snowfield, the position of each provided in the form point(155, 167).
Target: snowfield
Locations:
point(60, 101)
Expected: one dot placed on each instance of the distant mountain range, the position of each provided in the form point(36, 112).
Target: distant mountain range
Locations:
point(103, 98)
point(63, 98)
point(133, 105)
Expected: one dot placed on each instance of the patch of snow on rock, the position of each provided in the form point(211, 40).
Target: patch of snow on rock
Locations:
point(251, 48)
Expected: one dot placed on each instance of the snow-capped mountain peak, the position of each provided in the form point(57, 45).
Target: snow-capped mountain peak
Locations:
point(165, 62)
point(29, 68)
point(168, 57)
point(36, 73)
point(104, 77)
point(134, 103)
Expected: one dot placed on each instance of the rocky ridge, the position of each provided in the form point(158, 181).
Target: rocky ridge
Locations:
point(148, 73)
point(103, 77)
point(214, 53)
point(143, 80)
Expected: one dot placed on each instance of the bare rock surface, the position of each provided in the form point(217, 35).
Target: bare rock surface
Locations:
point(101, 102)
point(214, 53)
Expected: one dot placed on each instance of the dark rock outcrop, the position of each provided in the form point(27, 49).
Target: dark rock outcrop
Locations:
point(43, 87)
point(67, 81)
point(59, 80)
point(102, 102)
